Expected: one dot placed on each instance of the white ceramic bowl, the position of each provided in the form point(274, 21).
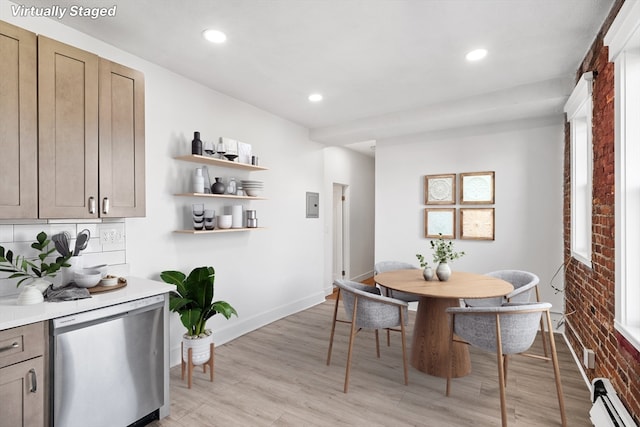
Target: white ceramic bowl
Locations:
point(109, 281)
point(224, 221)
point(87, 278)
point(102, 268)
point(252, 192)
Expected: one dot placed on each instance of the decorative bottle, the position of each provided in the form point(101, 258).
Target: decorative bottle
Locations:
point(196, 144)
point(198, 181)
point(217, 187)
point(231, 186)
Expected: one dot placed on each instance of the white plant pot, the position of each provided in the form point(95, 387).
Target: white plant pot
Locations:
point(443, 271)
point(201, 349)
point(30, 295)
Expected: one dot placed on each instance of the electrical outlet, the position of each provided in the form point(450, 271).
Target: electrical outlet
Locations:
point(111, 236)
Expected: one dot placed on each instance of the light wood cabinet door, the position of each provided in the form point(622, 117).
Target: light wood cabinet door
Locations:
point(18, 123)
point(122, 143)
point(22, 391)
point(68, 131)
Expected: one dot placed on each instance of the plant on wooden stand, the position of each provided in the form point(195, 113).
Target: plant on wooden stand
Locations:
point(193, 301)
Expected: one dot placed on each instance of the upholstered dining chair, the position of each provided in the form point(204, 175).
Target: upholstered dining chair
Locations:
point(367, 309)
point(525, 289)
point(506, 330)
point(381, 267)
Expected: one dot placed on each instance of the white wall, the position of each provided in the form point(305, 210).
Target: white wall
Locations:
point(265, 274)
point(356, 172)
point(528, 198)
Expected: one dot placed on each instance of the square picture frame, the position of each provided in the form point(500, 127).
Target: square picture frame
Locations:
point(440, 221)
point(477, 223)
point(477, 188)
point(440, 189)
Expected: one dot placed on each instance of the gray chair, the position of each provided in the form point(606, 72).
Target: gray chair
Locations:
point(367, 309)
point(525, 286)
point(381, 267)
point(505, 330)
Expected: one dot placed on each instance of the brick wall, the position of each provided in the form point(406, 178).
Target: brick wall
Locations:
point(589, 293)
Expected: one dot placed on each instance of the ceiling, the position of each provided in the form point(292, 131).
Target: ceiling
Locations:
point(387, 68)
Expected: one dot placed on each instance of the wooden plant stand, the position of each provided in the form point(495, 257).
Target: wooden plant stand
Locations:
point(189, 364)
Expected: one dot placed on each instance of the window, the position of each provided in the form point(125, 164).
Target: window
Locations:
point(623, 40)
point(578, 109)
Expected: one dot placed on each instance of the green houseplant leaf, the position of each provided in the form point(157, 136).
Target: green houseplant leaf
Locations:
point(193, 298)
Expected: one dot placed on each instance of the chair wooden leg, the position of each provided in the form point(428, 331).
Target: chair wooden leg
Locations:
point(544, 338)
point(556, 370)
point(351, 339)
point(450, 356)
point(377, 344)
point(333, 327)
point(506, 368)
point(388, 294)
point(501, 375)
point(404, 347)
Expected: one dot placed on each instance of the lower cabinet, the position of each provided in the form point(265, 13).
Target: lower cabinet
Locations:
point(23, 376)
point(22, 394)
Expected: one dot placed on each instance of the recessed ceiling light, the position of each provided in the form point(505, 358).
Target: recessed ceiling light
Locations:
point(214, 36)
point(476, 55)
point(315, 97)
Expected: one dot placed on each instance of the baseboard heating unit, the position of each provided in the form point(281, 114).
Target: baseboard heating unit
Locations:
point(607, 409)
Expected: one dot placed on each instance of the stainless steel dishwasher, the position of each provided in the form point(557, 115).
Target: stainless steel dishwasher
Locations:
point(108, 364)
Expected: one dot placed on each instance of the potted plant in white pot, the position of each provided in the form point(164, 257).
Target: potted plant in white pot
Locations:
point(193, 301)
point(443, 253)
point(38, 269)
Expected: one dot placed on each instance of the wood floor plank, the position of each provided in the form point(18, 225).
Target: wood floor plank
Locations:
point(277, 376)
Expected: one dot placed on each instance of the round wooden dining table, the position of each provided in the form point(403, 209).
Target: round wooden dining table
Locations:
point(430, 342)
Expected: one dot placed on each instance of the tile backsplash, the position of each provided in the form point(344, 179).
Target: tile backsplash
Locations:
point(106, 246)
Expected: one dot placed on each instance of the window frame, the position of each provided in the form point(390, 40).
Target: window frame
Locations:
point(623, 40)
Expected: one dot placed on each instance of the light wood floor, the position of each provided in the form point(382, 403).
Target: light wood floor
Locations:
point(277, 376)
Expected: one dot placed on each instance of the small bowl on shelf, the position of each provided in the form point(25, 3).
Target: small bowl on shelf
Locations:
point(87, 278)
point(224, 221)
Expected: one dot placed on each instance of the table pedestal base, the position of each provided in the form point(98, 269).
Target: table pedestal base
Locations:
point(430, 343)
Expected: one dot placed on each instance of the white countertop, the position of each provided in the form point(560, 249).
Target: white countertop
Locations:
point(13, 315)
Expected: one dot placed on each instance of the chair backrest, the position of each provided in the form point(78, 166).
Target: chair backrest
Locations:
point(523, 282)
point(382, 266)
point(374, 311)
point(518, 325)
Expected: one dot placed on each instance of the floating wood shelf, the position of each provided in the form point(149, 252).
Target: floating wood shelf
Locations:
point(195, 158)
point(217, 230)
point(220, 196)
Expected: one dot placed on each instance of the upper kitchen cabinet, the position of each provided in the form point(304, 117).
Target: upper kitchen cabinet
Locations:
point(121, 122)
point(91, 135)
point(68, 131)
point(18, 123)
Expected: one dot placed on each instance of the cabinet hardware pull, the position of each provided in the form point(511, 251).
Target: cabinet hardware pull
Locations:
point(92, 205)
point(34, 381)
point(15, 344)
point(105, 205)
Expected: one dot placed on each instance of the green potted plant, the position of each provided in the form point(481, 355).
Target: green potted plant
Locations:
point(443, 253)
point(37, 269)
point(427, 271)
point(193, 301)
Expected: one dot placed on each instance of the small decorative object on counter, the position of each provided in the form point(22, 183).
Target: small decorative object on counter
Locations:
point(196, 144)
point(218, 186)
point(427, 272)
point(231, 186)
point(198, 216)
point(198, 181)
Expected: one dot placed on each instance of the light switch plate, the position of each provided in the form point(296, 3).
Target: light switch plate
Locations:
point(313, 205)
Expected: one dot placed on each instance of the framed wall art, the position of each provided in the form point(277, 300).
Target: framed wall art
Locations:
point(440, 221)
point(440, 189)
point(477, 188)
point(477, 223)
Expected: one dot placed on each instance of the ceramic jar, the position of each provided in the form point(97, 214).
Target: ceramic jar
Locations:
point(443, 271)
point(218, 186)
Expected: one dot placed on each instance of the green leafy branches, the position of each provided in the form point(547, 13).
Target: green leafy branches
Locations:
point(443, 251)
point(193, 298)
point(30, 268)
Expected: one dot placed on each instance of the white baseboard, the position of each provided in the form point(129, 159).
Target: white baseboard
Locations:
point(246, 325)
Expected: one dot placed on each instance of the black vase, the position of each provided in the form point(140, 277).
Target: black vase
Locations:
point(196, 144)
point(217, 187)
